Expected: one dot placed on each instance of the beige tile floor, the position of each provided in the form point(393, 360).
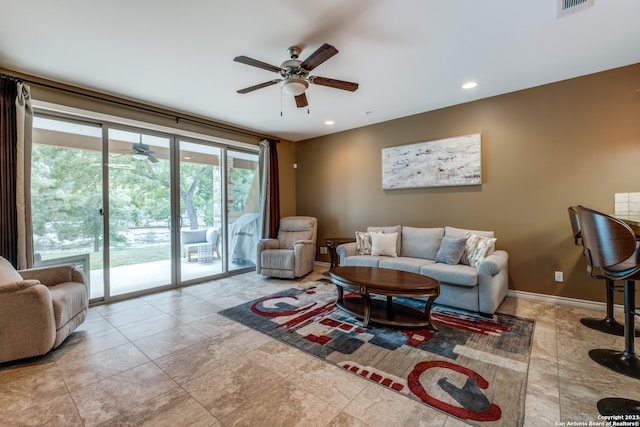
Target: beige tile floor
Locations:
point(168, 359)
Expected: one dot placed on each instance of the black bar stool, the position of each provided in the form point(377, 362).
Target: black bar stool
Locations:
point(609, 324)
point(611, 246)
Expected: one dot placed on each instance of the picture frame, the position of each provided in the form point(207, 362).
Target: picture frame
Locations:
point(445, 162)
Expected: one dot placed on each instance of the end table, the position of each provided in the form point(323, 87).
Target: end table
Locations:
point(332, 244)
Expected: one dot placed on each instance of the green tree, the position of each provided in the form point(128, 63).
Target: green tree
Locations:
point(67, 188)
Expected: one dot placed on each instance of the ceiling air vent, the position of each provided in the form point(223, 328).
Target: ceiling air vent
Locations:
point(567, 7)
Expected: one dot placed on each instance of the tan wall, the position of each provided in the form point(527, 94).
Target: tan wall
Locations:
point(543, 149)
point(287, 177)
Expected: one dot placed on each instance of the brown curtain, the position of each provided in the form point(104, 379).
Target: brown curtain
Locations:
point(274, 193)
point(269, 188)
point(8, 137)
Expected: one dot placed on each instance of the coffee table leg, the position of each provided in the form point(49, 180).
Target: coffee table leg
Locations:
point(366, 299)
point(389, 307)
point(340, 294)
point(427, 312)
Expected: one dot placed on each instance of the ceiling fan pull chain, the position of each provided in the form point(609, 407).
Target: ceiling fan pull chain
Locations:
point(281, 101)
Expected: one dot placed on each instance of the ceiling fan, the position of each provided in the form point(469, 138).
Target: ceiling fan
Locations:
point(295, 73)
point(140, 151)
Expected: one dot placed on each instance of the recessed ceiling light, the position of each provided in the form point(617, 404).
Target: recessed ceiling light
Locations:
point(469, 85)
point(329, 122)
point(187, 158)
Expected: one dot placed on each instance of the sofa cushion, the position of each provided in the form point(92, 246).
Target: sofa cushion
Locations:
point(363, 260)
point(194, 236)
point(212, 236)
point(8, 274)
point(384, 244)
point(391, 229)
point(451, 250)
point(459, 274)
point(477, 249)
point(363, 243)
point(459, 233)
point(421, 242)
point(411, 265)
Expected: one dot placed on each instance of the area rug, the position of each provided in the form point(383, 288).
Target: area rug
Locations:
point(473, 368)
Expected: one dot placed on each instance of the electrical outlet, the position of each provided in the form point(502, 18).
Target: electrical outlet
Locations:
point(559, 276)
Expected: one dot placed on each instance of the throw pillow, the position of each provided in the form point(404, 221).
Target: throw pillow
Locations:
point(8, 274)
point(477, 249)
point(363, 243)
point(384, 244)
point(451, 250)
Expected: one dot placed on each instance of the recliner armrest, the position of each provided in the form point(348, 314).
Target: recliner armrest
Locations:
point(53, 275)
point(6, 288)
point(27, 322)
point(268, 244)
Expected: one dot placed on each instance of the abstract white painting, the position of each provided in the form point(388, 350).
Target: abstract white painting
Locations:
point(441, 163)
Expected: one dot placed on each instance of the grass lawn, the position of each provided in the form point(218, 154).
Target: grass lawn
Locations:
point(120, 257)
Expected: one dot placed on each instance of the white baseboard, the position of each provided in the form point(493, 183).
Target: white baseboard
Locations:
point(554, 299)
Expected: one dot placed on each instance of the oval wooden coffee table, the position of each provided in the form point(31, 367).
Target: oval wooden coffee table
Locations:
point(390, 283)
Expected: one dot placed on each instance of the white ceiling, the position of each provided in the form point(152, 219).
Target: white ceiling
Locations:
point(409, 56)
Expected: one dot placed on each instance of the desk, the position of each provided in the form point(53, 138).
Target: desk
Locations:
point(332, 244)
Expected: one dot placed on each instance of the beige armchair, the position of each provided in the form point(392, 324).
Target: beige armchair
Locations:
point(293, 253)
point(39, 308)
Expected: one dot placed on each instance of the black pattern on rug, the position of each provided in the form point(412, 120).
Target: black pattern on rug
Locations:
point(474, 367)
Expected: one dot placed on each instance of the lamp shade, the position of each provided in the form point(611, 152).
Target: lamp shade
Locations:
point(294, 86)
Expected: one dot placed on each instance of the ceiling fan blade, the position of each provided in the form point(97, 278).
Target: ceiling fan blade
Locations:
point(301, 100)
point(323, 53)
point(139, 147)
point(152, 158)
point(337, 84)
point(255, 63)
point(258, 86)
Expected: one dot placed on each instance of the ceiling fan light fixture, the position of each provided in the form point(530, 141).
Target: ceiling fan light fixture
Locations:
point(140, 156)
point(294, 85)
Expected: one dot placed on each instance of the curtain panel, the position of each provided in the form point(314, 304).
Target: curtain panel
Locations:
point(269, 188)
point(24, 132)
point(8, 158)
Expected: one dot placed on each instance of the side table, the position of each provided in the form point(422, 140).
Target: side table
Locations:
point(332, 244)
point(205, 253)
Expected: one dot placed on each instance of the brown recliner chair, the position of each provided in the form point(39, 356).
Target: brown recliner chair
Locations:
point(39, 308)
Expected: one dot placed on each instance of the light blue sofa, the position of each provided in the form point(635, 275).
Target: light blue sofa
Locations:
point(481, 288)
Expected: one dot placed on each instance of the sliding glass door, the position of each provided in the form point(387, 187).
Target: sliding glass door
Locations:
point(201, 232)
point(141, 210)
point(243, 209)
point(66, 194)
